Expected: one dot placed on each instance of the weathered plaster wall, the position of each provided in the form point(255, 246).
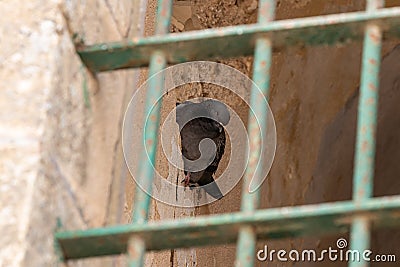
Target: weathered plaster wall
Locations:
point(60, 149)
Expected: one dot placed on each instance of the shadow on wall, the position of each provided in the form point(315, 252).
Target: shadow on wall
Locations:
point(333, 175)
point(332, 179)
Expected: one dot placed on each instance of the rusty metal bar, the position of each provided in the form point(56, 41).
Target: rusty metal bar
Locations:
point(366, 131)
point(238, 40)
point(136, 249)
point(272, 223)
point(257, 124)
point(150, 135)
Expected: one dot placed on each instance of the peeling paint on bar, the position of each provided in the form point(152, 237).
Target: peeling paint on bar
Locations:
point(136, 249)
point(147, 158)
point(364, 160)
point(275, 223)
point(257, 125)
point(240, 40)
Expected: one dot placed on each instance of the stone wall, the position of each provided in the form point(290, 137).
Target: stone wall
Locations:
point(60, 131)
point(60, 145)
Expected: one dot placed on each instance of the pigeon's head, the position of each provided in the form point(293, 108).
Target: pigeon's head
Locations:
point(217, 110)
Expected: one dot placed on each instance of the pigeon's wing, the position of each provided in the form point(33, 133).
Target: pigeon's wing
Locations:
point(219, 141)
point(190, 142)
point(207, 180)
point(195, 131)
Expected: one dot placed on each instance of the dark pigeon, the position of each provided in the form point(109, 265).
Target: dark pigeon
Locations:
point(199, 121)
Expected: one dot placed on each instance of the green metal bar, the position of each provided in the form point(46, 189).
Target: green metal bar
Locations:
point(150, 135)
point(367, 113)
point(360, 238)
point(272, 223)
point(257, 125)
point(366, 130)
point(238, 40)
point(136, 249)
point(142, 198)
point(246, 246)
point(57, 249)
point(373, 5)
point(257, 121)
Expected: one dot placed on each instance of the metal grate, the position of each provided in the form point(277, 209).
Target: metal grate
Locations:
point(360, 215)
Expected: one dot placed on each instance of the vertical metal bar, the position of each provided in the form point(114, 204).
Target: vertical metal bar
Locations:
point(366, 132)
point(245, 251)
point(367, 113)
point(136, 251)
point(372, 5)
point(145, 173)
point(359, 239)
point(261, 76)
point(136, 248)
point(57, 248)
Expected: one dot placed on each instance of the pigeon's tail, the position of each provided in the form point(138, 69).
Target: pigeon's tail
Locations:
point(213, 190)
point(210, 186)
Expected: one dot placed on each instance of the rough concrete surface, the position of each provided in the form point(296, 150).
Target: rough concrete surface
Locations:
point(59, 149)
point(60, 131)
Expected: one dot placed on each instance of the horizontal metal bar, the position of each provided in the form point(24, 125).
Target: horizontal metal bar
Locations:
point(238, 40)
point(223, 228)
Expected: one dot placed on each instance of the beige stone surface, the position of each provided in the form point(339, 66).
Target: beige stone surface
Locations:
point(26, 78)
point(60, 152)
